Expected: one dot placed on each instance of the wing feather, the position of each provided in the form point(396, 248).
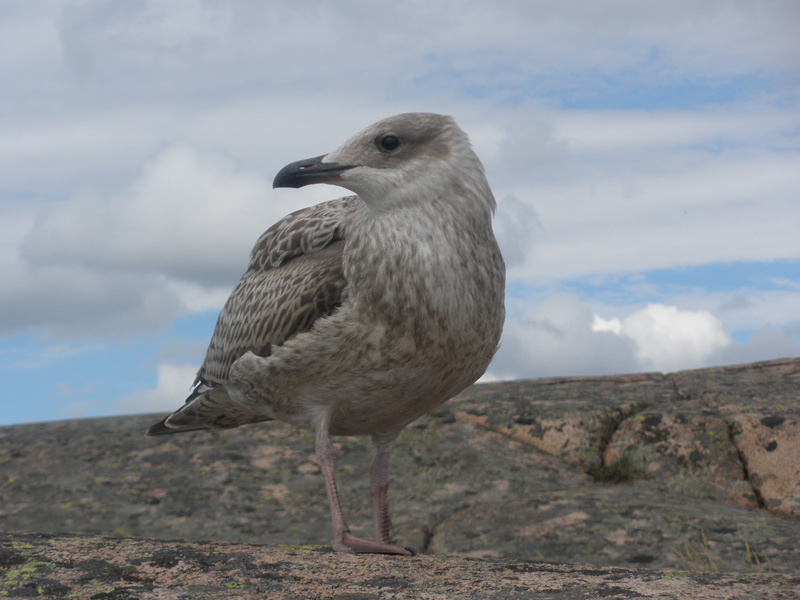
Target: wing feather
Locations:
point(269, 307)
point(295, 277)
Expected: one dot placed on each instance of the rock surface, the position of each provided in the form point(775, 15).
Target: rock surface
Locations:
point(142, 569)
point(707, 464)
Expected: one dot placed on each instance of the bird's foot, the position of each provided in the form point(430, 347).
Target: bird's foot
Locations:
point(345, 542)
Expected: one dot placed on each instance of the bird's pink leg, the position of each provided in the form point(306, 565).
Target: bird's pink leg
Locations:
point(343, 540)
point(379, 485)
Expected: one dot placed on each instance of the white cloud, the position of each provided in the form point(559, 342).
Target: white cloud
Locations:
point(768, 342)
point(555, 338)
point(613, 325)
point(608, 133)
point(517, 228)
point(743, 310)
point(174, 241)
point(188, 216)
point(172, 388)
point(624, 34)
point(74, 301)
point(668, 339)
point(196, 298)
point(691, 193)
point(562, 336)
point(139, 141)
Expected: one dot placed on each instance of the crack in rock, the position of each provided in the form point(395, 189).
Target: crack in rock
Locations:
point(732, 431)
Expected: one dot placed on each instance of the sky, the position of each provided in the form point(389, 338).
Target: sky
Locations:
point(645, 157)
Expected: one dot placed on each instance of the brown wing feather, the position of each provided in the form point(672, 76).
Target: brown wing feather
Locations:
point(295, 276)
point(269, 307)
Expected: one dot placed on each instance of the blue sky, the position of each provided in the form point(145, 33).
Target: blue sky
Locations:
point(645, 158)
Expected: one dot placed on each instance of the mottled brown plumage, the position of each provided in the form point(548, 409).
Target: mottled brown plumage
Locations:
point(295, 276)
point(359, 315)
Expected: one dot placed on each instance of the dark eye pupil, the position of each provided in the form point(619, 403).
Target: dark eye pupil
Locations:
point(390, 142)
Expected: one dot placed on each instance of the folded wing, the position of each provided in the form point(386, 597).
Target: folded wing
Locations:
point(295, 277)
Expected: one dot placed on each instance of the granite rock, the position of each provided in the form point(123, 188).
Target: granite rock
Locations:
point(770, 449)
point(144, 569)
point(507, 470)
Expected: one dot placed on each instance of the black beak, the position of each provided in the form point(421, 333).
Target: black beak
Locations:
point(308, 171)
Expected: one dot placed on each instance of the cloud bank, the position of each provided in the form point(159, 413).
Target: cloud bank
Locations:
point(645, 158)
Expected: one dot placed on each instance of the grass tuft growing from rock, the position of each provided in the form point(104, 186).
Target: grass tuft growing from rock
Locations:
point(622, 470)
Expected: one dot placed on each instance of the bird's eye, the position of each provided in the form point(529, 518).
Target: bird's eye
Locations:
point(389, 142)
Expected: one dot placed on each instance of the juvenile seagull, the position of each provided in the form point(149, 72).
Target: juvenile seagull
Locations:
point(359, 315)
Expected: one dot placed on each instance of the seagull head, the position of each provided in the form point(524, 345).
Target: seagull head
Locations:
point(405, 159)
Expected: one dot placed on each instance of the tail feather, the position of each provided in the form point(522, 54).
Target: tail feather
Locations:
point(161, 428)
point(208, 407)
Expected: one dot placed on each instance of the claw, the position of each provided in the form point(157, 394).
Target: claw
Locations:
point(346, 542)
